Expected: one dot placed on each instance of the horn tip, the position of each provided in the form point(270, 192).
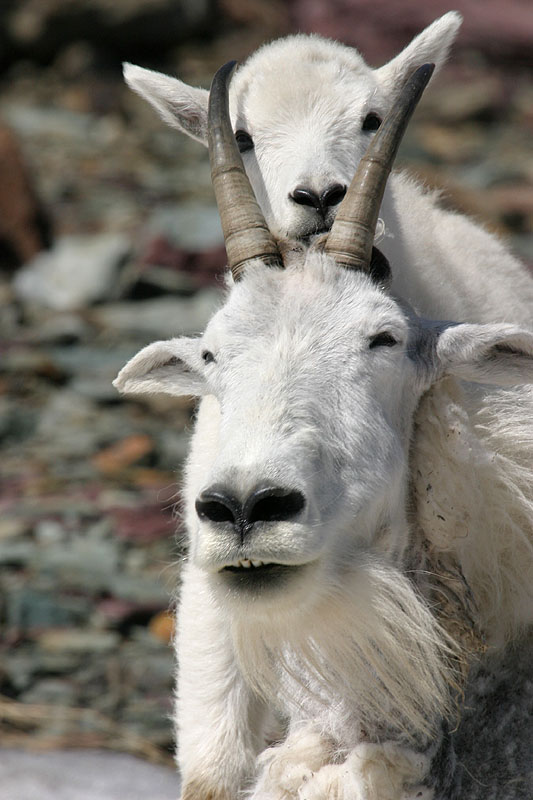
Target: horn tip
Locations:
point(225, 72)
point(425, 71)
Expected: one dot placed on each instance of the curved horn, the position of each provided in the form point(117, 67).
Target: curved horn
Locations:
point(246, 234)
point(352, 234)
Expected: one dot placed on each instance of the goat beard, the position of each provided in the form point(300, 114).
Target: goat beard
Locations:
point(369, 644)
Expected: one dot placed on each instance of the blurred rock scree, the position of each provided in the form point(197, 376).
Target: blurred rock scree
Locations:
point(109, 239)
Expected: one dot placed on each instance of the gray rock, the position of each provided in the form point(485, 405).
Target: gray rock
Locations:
point(83, 775)
point(51, 691)
point(16, 553)
point(192, 227)
point(91, 564)
point(141, 589)
point(77, 271)
point(162, 316)
point(79, 641)
point(28, 609)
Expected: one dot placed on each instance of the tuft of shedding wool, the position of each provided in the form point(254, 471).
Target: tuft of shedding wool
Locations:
point(473, 490)
point(372, 641)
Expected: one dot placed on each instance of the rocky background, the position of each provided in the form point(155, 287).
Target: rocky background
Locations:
point(109, 239)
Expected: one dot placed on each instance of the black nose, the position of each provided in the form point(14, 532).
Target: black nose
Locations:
point(264, 504)
point(329, 197)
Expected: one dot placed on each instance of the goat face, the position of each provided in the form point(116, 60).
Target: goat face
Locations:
point(303, 111)
point(317, 374)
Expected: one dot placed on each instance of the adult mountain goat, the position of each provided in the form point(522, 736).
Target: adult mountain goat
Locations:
point(303, 109)
point(359, 506)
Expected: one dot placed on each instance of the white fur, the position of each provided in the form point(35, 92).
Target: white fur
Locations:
point(355, 652)
point(417, 525)
point(303, 100)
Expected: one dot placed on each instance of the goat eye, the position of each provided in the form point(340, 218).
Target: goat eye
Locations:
point(371, 122)
point(384, 339)
point(245, 141)
point(208, 356)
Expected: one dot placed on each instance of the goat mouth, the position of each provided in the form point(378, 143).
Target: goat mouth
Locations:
point(248, 563)
point(251, 574)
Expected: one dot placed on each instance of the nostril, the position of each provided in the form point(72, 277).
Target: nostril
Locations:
point(306, 197)
point(273, 504)
point(218, 506)
point(332, 195)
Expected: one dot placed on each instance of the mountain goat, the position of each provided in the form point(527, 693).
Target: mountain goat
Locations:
point(303, 110)
point(360, 508)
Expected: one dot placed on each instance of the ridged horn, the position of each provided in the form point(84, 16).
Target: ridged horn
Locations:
point(352, 234)
point(246, 234)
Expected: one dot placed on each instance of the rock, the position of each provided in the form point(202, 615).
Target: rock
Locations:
point(79, 641)
point(162, 626)
point(39, 31)
point(123, 454)
point(50, 691)
point(13, 553)
point(380, 29)
point(480, 98)
point(84, 775)
point(141, 589)
point(523, 245)
point(143, 523)
point(59, 329)
point(173, 449)
point(49, 531)
point(80, 562)
point(166, 268)
point(12, 527)
point(29, 610)
point(450, 144)
point(191, 227)
point(17, 422)
point(24, 227)
point(76, 272)
point(161, 317)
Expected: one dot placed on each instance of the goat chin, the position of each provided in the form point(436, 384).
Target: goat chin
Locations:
point(371, 640)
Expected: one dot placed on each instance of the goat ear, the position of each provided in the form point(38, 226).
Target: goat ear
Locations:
point(492, 354)
point(181, 106)
point(430, 46)
point(172, 367)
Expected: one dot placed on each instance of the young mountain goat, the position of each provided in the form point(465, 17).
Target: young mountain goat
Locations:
point(304, 109)
point(359, 502)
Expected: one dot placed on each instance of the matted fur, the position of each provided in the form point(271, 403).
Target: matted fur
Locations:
point(473, 482)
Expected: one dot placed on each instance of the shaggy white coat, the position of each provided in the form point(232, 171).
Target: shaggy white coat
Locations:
point(352, 663)
point(303, 100)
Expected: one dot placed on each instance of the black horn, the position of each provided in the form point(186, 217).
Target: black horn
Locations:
point(352, 234)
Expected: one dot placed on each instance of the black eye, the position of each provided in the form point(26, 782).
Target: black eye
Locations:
point(384, 339)
point(208, 356)
point(371, 122)
point(245, 141)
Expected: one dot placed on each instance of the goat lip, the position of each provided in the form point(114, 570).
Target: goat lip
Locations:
point(247, 564)
point(268, 576)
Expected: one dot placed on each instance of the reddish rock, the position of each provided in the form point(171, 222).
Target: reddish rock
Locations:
point(123, 454)
point(203, 267)
point(379, 28)
point(162, 626)
point(24, 229)
point(144, 524)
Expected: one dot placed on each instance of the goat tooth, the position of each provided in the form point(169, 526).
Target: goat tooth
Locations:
point(246, 563)
point(256, 563)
